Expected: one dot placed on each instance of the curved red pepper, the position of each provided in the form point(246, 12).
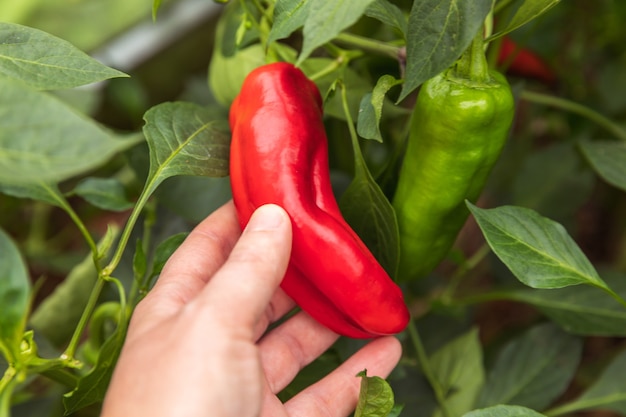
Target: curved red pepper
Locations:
point(523, 62)
point(279, 154)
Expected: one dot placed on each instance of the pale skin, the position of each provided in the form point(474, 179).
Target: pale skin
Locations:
point(197, 344)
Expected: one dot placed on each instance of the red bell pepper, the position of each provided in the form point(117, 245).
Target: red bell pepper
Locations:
point(279, 154)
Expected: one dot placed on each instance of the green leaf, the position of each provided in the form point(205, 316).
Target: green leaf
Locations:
point(458, 366)
point(366, 208)
point(234, 31)
point(533, 369)
point(438, 33)
point(104, 193)
point(504, 411)
point(375, 397)
point(528, 10)
point(371, 108)
point(185, 139)
point(42, 140)
point(14, 297)
point(396, 410)
point(289, 15)
point(46, 62)
point(389, 14)
point(227, 73)
point(369, 213)
point(586, 310)
point(140, 261)
point(537, 250)
point(608, 392)
point(40, 191)
point(231, 63)
point(165, 250)
point(607, 159)
point(92, 387)
point(329, 19)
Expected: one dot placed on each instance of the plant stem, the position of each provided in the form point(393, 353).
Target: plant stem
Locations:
point(369, 45)
point(105, 311)
point(121, 291)
point(613, 294)
point(460, 272)
point(140, 284)
point(62, 202)
point(333, 66)
point(83, 230)
point(128, 228)
point(489, 22)
point(9, 375)
point(492, 54)
point(424, 362)
point(62, 376)
point(105, 274)
point(263, 32)
point(473, 65)
point(576, 108)
point(7, 384)
point(262, 9)
point(359, 163)
point(84, 319)
point(573, 407)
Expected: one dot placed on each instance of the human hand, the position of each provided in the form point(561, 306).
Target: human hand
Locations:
point(196, 344)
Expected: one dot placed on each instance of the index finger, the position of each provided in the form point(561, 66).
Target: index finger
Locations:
point(191, 266)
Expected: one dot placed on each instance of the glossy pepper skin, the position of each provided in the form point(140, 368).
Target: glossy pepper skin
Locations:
point(459, 126)
point(279, 154)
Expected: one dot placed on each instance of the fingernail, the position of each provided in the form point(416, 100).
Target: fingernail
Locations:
point(267, 217)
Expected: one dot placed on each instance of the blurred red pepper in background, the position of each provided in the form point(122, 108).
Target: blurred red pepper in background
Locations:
point(523, 62)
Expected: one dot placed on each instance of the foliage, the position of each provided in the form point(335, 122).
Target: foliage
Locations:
point(102, 174)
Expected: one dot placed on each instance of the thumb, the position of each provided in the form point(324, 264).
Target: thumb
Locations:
point(243, 287)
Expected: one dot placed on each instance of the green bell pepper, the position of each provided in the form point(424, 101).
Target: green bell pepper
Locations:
point(459, 126)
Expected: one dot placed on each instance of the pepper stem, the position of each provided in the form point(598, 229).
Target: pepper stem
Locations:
point(473, 63)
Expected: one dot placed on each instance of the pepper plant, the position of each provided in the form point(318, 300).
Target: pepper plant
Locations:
point(502, 223)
